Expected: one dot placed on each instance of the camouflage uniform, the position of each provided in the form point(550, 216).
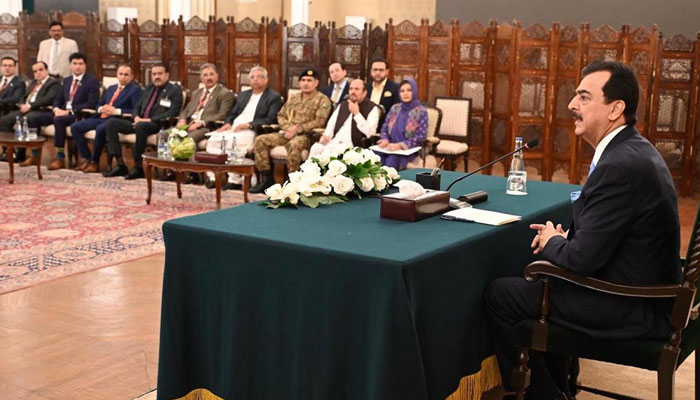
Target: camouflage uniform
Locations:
point(309, 113)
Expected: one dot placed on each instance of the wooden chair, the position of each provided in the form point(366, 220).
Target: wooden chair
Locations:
point(453, 134)
point(662, 355)
point(431, 140)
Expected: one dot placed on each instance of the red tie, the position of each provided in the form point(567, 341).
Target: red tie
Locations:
point(4, 83)
point(111, 101)
point(73, 89)
point(203, 100)
point(34, 90)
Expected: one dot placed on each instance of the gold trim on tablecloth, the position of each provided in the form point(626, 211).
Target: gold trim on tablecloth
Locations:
point(471, 387)
point(200, 394)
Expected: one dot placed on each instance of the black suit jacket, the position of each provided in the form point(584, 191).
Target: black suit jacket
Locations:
point(14, 91)
point(266, 111)
point(390, 95)
point(625, 230)
point(46, 95)
point(86, 95)
point(168, 92)
point(328, 91)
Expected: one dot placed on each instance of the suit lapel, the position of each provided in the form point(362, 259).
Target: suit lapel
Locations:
point(624, 134)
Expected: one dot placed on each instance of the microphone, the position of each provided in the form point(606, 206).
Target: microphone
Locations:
point(529, 145)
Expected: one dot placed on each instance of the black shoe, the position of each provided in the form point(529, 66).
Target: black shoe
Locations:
point(192, 179)
point(266, 181)
point(168, 176)
point(119, 170)
point(135, 173)
point(232, 186)
point(209, 184)
point(3, 157)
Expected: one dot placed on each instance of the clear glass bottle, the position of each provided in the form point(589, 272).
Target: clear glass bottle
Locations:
point(18, 128)
point(231, 151)
point(25, 128)
point(517, 176)
point(162, 144)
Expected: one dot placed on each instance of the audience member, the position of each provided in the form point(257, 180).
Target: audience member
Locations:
point(12, 86)
point(120, 98)
point(55, 52)
point(41, 93)
point(352, 121)
point(302, 113)
point(337, 91)
point(625, 230)
point(80, 90)
point(406, 126)
point(159, 101)
point(382, 90)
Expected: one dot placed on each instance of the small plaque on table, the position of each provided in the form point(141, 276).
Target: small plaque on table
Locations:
point(395, 206)
point(209, 158)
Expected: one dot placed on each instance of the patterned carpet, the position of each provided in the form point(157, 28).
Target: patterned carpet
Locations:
point(71, 222)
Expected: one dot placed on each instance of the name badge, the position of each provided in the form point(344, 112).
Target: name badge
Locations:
point(69, 105)
point(165, 103)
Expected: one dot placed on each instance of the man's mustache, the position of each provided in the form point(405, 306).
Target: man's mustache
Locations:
point(576, 115)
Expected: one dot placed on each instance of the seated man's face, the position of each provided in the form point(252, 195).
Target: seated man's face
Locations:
point(357, 92)
point(379, 71)
point(337, 73)
point(40, 72)
point(77, 66)
point(124, 75)
point(308, 84)
point(8, 67)
point(158, 76)
point(209, 78)
point(258, 80)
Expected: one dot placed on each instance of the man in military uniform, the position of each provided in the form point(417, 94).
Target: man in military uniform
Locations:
point(301, 114)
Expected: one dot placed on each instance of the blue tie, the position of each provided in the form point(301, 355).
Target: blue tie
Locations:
point(590, 170)
point(575, 195)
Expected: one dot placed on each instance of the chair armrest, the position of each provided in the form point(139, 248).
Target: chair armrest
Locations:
point(214, 125)
point(432, 140)
point(85, 113)
point(127, 116)
point(536, 269)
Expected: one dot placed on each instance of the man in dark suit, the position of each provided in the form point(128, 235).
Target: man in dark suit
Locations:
point(41, 93)
point(339, 88)
point(119, 99)
point(625, 230)
point(382, 90)
point(255, 107)
point(12, 87)
point(80, 90)
point(160, 100)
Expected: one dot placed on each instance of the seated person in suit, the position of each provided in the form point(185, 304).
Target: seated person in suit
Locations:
point(12, 87)
point(405, 126)
point(118, 99)
point(353, 120)
point(625, 230)
point(337, 91)
point(255, 107)
point(382, 90)
point(302, 113)
point(80, 90)
point(41, 93)
point(159, 101)
point(207, 104)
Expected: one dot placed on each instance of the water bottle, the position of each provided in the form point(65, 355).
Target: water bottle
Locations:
point(162, 144)
point(232, 156)
point(18, 128)
point(25, 128)
point(517, 176)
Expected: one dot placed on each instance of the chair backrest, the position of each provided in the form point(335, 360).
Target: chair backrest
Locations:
point(692, 258)
point(291, 92)
point(434, 120)
point(456, 116)
point(108, 81)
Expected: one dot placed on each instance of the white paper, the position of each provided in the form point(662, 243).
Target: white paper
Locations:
point(472, 214)
point(408, 152)
point(409, 189)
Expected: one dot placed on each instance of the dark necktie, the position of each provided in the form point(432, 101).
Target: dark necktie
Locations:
point(151, 102)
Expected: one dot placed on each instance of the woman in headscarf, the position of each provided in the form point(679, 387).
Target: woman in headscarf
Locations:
point(406, 126)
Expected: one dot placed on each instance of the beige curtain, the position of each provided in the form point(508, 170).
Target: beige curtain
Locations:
point(202, 8)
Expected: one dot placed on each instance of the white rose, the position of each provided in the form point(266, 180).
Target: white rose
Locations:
point(274, 192)
point(336, 167)
point(295, 177)
point(324, 158)
point(290, 191)
point(366, 184)
point(379, 183)
point(351, 157)
point(391, 172)
point(309, 167)
point(336, 149)
point(342, 185)
point(368, 154)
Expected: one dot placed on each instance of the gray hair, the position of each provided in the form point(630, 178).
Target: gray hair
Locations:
point(207, 66)
point(258, 68)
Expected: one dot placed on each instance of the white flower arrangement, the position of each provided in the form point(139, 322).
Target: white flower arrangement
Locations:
point(329, 177)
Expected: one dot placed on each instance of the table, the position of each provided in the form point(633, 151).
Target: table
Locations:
point(8, 140)
point(335, 302)
point(243, 167)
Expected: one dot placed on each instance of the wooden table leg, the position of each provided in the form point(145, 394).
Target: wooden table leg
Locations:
point(217, 182)
point(178, 180)
point(38, 164)
point(246, 186)
point(149, 176)
point(11, 160)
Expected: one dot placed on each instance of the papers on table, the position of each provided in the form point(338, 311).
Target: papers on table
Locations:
point(472, 214)
point(408, 152)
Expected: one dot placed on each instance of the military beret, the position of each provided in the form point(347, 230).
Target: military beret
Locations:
point(308, 72)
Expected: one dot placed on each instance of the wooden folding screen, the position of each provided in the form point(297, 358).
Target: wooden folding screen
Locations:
point(148, 47)
point(112, 48)
point(348, 45)
point(533, 78)
point(503, 91)
point(274, 33)
point(376, 46)
point(33, 29)
point(675, 106)
point(404, 52)
point(247, 51)
point(472, 77)
point(222, 51)
point(9, 37)
point(301, 51)
point(640, 52)
point(193, 50)
point(173, 50)
point(438, 68)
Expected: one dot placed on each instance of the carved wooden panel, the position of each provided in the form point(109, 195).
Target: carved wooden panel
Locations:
point(196, 24)
point(300, 31)
point(678, 42)
point(8, 37)
point(566, 89)
point(501, 93)
point(247, 25)
point(377, 44)
point(673, 110)
point(676, 69)
point(472, 86)
point(472, 53)
point(534, 58)
point(532, 96)
point(406, 52)
point(196, 45)
point(300, 52)
point(247, 47)
point(437, 84)
point(671, 151)
point(407, 28)
point(562, 138)
point(348, 54)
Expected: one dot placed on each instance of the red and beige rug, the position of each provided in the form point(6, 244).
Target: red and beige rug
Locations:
point(71, 222)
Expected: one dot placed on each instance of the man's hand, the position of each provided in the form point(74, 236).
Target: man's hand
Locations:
point(290, 132)
point(224, 128)
point(24, 108)
point(107, 109)
point(59, 112)
point(353, 107)
point(181, 122)
point(325, 139)
point(194, 126)
point(544, 233)
point(241, 127)
point(139, 119)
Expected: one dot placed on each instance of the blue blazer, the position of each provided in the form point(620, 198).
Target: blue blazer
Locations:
point(86, 96)
point(127, 101)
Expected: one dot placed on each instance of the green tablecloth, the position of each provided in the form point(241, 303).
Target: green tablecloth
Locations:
point(335, 302)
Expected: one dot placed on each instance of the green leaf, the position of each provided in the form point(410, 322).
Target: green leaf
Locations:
point(310, 201)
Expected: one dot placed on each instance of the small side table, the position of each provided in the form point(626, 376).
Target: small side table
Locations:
point(8, 140)
point(243, 167)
